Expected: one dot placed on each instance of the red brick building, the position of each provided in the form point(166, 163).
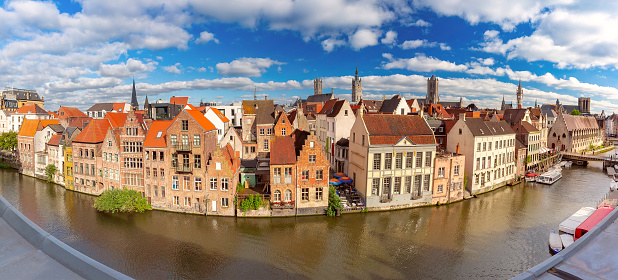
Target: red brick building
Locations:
point(311, 175)
point(191, 139)
point(223, 173)
point(26, 143)
point(86, 150)
point(283, 176)
point(156, 166)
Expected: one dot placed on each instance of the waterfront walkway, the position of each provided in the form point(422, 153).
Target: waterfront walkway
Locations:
point(594, 256)
point(28, 252)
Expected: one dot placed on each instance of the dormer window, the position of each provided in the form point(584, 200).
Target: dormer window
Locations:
point(159, 134)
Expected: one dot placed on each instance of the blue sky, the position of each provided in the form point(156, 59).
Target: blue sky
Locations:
point(76, 53)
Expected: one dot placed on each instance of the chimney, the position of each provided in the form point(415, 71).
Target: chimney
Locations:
point(462, 116)
point(457, 149)
point(265, 97)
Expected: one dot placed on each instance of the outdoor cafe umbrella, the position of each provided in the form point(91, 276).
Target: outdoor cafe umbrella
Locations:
point(345, 180)
point(339, 175)
point(335, 182)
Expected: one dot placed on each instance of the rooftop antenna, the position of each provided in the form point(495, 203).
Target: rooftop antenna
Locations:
point(255, 94)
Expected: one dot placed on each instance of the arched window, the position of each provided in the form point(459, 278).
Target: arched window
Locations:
point(277, 196)
point(288, 195)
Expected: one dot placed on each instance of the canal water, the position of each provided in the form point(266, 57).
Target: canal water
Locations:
point(495, 236)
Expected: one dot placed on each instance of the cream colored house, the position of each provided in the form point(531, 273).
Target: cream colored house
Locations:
point(392, 160)
point(334, 122)
point(489, 148)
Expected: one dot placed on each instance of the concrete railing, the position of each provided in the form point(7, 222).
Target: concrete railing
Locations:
point(535, 272)
point(77, 262)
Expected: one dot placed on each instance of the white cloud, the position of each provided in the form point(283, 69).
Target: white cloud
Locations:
point(390, 38)
point(419, 23)
point(508, 14)
point(331, 43)
point(421, 63)
point(201, 69)
point(413, 44)
point(172, 69)
point(126, 69)
point(445, 47)
point(364, 38)
point(246, 66)
point(487, 61)
point(206, 37)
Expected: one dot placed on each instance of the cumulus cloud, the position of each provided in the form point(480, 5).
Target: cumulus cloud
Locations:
point(413, 44)
point(206, 37)
point(390, 38)
point(172, 69)
point(126, 69)
point(246, 66)
point(331, 43)
point(422, 63)
point(364, 38)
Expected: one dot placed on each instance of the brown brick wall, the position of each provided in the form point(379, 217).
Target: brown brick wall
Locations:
point(312, 183)
point(226, 171)
point(25, 148)
point(91, 182)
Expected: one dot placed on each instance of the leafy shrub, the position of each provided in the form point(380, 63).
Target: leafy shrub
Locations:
point(50, 170)
point(334, 202)
point(252, 202)
point(124, 200)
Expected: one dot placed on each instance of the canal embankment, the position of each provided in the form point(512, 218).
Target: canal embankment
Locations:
point(29, 252)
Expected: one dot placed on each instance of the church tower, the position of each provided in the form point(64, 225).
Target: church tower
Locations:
point(357, 88)
point(520, 96)
point(134, 103)
point(432, 91)
point(317, 86)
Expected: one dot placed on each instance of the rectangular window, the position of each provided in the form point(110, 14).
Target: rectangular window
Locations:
point(440, 188)
point(478, 147)
point(269, 131)
point(261, 131)
point(408, 160)
point(375, 186)
point(185, 125)
point(225, 184)
point(388, 161)
point(397, 187)
point(319, 174)
point(198, 184)
point(489, 148)
point(426, 183)
point(386, 186)
point(484, 146)
point(154, 172)
point(156, 191)
point(283, 131)
point(419, 159)
point(187, 201)
point(305, 174)
point(147, 172)
point(176, 200)
point(398, 160)
point(456, 170)
point(416, 190)
point(174, 140)
point(408, 186)
point(277, 175)
point(441, 171)
point(428, 160)
point(196, 140)
point(186, 181)
point(304, 192)
point(225, 202)
point(319, 195)
point(266, 144)
point(197, 160)
point(213, 183)
point(377, 161)
point(312, 158)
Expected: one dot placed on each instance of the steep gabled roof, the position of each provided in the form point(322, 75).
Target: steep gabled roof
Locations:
point(332, 107)
point(319, 98)
point(70, 112)
point(230, 156)
point(479, 127)
point(116, 119)
point(513, 116)
point(390, 129)
point(283, 150)
point(31, 108)
point(199, 118)
point(157, 128)
point(107, 107)
point(54, 140)
point(299, 137)
point(30, 127)
point(527, 127)
point(57, 128)
point(79, 122)
point(579, 122)
point(94, 132)
point(219, 114)
point(390, 105)
point(119, 107)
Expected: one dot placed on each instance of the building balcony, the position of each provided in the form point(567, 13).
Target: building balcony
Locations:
point(184, 168)
point(183, 147)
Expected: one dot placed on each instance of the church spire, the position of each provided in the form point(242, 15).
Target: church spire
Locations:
point(356, 73)
point(134, 103)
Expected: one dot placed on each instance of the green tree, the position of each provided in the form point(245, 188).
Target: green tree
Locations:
point(334, 202)
point(50, 170)
point(528, 159)
point(121, 200)
point(575, 112)
point(8, 141)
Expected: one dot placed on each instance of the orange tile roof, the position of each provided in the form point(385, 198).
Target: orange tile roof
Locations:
point(190, 107)
point(203, 121)
point(151, 138)
point(55, 140)
point(54, 114)
point(79, 122)
point(94, 132)
point(31, 108)
point(221, 116)
point(116, 119)
point(179, 100)
point(70, 112)
point(30, 127)
point(231, 156)
point(119, 107)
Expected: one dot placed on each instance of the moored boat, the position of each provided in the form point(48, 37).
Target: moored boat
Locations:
point(531, 177)
point(566, 239)
point(555, 243)
point(613, 185)
point(550, 177)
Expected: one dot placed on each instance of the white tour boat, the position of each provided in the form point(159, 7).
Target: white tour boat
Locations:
point(550, 177)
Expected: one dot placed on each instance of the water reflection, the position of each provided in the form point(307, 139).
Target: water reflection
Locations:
point(497, 235)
